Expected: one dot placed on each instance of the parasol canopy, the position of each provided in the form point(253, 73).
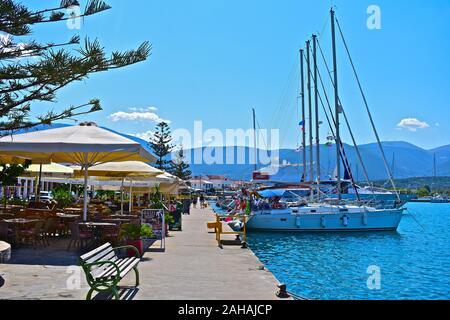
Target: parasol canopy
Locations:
point(53, 170)
point(85, 145)
point(121, 170)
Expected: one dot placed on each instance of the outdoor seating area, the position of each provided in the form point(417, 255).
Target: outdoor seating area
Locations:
point(34, 228)
point(83, 188)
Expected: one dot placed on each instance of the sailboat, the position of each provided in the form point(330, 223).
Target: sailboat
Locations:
point(315, 215)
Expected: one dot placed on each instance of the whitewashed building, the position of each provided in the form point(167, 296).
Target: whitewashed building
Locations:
point(221, 182)
point(201, 183)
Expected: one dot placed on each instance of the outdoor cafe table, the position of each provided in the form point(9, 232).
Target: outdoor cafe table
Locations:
point(21, 222)
point(80, 210)
point(12, 208)
point(118, 220)
point(67, 216)
point(96, 229)
point(66, 219)
point(18, 224)
point(124, 216)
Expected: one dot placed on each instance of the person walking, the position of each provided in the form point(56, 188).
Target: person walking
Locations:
point(202, 201)
point(194, 201)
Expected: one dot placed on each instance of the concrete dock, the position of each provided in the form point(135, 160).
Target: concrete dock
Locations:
point(192, 267)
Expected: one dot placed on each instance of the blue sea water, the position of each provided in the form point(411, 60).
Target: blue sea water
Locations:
point(414, 262)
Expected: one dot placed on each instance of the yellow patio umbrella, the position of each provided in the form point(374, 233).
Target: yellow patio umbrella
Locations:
point(121, 169)
point(52, 170)
point(124, 169)
point(85, 145)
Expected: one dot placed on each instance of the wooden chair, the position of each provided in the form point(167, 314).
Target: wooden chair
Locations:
point(111, 234)
point(77, 237)
point(5, 216)
point(52, 227)
point(6, 234)
point(33, 236)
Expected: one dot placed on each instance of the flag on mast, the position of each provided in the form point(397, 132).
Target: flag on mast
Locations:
point(302, 125)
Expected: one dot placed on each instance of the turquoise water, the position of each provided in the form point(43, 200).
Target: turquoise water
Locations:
point(414, 262)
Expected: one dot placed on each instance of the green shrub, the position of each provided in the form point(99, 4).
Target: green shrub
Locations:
point(169, 218)
point(131, 231)
point(63, 197)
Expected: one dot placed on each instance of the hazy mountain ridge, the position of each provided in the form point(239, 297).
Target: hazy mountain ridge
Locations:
point(409, 160)
point(405, 160)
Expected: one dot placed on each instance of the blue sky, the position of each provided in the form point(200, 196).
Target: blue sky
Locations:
point(213, 60)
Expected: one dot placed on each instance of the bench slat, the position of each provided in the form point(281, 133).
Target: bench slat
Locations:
point(95, 251)
point(123, 264)
point(124, 269)
point(124, 272)
point(108, 269)
point(101, 269)
point(111, 257)
point(103, 255)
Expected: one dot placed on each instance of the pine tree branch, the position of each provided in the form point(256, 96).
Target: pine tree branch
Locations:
point(51, 117)
point(40, 79)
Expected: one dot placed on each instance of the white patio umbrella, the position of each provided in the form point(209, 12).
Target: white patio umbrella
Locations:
point(85, 145)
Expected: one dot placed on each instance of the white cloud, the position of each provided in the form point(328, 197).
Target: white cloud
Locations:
point(7, 45)
point(138, 114)
point(412, 124)
point(144, 135)
point(140, 109)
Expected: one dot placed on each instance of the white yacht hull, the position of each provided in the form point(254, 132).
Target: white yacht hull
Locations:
point(356, 220)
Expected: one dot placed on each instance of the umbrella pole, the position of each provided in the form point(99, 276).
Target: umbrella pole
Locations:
point(121, 197)
point(38, 189)
point(85, 202)
point(131, 196)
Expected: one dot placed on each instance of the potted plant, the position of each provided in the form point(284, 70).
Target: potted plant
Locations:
point(63, 197)
point(169, 220)
point(157, 203)
point(133, 233)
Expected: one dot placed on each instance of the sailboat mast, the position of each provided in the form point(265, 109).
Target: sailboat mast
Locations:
point(337, 108)
point(308, 64)
point(434, 165)
point(302, 96)
point(316, 104)
point(393, 165)
point(254, 139)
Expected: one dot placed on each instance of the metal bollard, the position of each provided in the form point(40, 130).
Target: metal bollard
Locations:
point(282, 293)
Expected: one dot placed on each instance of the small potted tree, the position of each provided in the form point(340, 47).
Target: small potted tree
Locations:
point(168, 220)
point(157, 203)
point(133, 233)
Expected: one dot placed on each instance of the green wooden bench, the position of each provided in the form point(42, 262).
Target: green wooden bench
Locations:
point(104, 269)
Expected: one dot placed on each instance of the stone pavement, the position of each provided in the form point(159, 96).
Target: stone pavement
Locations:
point(192, 267)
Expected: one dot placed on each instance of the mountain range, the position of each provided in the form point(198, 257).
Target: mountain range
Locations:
point(404, 159)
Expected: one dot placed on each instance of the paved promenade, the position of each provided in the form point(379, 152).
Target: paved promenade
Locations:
point(192, 267)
